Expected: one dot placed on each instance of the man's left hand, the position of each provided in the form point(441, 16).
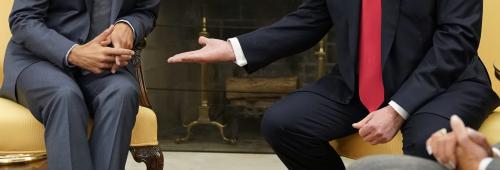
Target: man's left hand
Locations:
point(380, 126)
point(122, 37)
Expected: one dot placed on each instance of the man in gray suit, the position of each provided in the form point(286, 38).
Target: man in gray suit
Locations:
point(463, 149)
point(66, 64)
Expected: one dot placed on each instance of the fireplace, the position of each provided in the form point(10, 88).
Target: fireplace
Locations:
point(175, 91)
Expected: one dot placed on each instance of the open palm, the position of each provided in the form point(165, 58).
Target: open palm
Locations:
point(214, 50)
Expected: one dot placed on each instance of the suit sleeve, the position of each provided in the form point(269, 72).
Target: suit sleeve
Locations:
point(142, 18)
point(27, 24)
point(455, 44)
point(298, 31)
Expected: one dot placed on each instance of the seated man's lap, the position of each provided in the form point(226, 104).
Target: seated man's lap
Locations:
point(43, 83)
point(312, 116)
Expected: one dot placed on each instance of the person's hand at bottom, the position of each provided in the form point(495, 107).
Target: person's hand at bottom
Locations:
point(380, 126)
point(469, 153)
point(443, 145)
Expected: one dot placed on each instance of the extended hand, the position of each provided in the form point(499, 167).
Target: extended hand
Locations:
point(214, 50)
point(95, 56)
point(122, 37)
point(379, 126)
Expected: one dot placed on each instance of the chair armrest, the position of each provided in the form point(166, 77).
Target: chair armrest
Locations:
point(143, 96)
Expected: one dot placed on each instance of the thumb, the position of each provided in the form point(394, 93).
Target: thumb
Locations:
point(203, 40)
point(104, 35)
point(106, 42)
point(460, 130)
point(361, 123)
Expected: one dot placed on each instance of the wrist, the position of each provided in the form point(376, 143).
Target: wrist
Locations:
point(393, 111)
point(72, 57)
point(231, 53)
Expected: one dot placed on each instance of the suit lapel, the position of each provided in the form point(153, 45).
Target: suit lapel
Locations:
point(390, 17)
point(353, 21)
point(353, 41)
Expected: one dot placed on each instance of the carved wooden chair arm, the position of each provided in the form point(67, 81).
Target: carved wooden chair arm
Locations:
point(137, 61)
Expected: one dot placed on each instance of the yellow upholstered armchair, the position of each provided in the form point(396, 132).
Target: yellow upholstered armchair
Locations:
point(22, 136)
point(354, 147)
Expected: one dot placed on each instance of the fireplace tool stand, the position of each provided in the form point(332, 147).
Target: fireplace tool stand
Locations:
point(204, 108)
point(321, 56)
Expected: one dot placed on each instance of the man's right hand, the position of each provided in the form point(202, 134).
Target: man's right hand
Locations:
point(96, 56)
point(214, 50)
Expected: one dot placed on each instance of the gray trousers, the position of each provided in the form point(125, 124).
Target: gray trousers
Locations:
point(64, 101)
point(395, 162)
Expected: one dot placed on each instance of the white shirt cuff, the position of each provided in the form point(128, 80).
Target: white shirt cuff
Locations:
point(66, 62)
point(241, 60)
point(401, 111)
point(128, 23)
point(496, 152)
point(484, 163)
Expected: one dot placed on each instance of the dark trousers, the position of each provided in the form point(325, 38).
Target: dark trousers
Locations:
point(300, 126)
point(64, 101)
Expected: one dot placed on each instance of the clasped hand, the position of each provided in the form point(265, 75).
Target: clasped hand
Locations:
point(462, 149)
point(380, 126)
point(96, 56)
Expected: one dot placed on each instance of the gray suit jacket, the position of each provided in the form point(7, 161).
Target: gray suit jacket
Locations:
point(45, 30)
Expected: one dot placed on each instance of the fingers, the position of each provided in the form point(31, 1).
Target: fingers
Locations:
point(117, 51)
point(480, 139)
point(477, 137)
point(106, 42)
point(115, 68)
point(104, 35)
point(372, 137)
point(192, 56)
point(449, 158)
point(203, 40)
point(460, 130)
point(442, 145)
point(431, 142)
point(361, 123)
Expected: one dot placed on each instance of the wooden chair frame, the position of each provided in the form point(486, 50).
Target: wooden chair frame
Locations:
point(152, 156)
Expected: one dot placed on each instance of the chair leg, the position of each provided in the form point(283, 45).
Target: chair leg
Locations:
point(150, 155)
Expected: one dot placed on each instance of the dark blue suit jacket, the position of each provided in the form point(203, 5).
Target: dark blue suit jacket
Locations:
point(427, 46)
point(44, 30)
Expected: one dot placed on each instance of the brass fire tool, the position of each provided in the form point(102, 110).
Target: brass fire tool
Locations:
point(321, 55)
point(204, 108)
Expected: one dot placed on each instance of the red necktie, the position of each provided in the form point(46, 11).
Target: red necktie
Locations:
point(371, 86)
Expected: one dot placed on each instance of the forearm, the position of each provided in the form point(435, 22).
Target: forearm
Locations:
point(296, 32)
point(455, 44)
point(28, 29)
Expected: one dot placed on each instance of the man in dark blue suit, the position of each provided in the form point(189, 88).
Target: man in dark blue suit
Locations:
point(66, 63)
point(401, 65)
